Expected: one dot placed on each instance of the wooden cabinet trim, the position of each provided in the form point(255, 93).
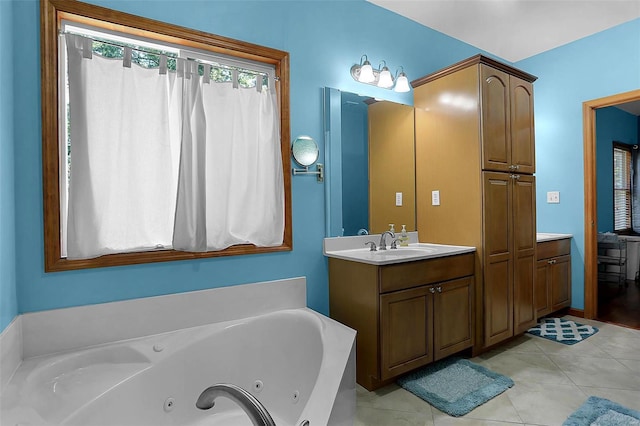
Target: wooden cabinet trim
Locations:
point(474, 60)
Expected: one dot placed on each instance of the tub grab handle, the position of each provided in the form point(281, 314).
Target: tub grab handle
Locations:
point(255, 410)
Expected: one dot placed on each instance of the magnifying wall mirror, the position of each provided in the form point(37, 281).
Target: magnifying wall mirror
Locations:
point(305, 152)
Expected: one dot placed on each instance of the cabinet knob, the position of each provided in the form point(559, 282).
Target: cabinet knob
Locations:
point(439, 289)
point(432, 290)
point(552, 261)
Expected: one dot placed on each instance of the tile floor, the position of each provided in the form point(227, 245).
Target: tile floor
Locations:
point(551, 381)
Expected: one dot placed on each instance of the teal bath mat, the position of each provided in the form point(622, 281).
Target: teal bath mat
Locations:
point(455, 386)
point(602, 412)
point(562, 330)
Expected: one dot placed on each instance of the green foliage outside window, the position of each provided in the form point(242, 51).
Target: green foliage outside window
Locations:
point(150, 58)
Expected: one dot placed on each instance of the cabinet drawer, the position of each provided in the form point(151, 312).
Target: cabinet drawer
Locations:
point(554, 248)
point(412, 274)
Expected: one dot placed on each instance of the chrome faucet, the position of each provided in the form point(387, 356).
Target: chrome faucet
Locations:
point(255, 410)
point(383, 243)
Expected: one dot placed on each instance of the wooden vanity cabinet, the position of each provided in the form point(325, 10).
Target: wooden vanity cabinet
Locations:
point(553, 277)
point(475, 146)
point(406, 315)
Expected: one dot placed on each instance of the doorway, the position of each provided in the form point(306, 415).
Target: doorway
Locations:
point(590, 210)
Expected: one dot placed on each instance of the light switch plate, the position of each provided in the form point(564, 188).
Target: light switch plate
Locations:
point(398, 199)
point(553, 197)
point(435, 198)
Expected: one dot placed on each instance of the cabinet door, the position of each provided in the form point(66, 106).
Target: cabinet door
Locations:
point(522, 131)
point(542, 290)
point(497, 291)
point(406, 341)
point(453, 313)
point(524, 251)
point(560, 282)
point(496, 133)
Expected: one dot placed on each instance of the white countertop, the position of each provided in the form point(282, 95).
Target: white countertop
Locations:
point(547, 236)
point(354, 249)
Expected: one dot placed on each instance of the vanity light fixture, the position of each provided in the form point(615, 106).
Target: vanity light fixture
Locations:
point(381, 77)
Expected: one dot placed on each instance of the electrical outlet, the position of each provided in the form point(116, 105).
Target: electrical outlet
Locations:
point(398, 199)
point(553, 197)
point(435, 198)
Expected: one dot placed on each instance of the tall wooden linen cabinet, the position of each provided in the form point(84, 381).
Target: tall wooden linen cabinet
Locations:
point(475, 161)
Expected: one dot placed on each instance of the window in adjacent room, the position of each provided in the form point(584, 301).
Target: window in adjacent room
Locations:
point(166, 143)
point(622, 173)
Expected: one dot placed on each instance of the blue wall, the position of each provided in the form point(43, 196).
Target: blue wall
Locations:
point(323, 43)
point(612, 125)
point(8, 299)
point(597, 66)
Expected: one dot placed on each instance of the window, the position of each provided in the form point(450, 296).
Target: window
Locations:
point(621, 187)
point(173, 48)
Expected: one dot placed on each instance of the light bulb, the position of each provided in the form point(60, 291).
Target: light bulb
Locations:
point(366, 73)
point(402, 83)
point(385, 80)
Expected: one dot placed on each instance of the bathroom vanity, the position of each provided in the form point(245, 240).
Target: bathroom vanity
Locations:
point(410, 306)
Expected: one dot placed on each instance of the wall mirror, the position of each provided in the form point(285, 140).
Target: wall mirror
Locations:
point(370, 177)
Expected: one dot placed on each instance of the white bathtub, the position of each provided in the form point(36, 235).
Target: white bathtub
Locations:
point(299, 364)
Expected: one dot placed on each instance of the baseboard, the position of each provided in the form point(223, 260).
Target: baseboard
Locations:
point(576, 312)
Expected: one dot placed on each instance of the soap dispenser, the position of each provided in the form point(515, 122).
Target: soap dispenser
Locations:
point(404, 237)
point(392, 229)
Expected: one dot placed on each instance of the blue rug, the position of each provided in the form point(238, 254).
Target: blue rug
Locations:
point(602, 412)
point(454, 385)
point(562, 331)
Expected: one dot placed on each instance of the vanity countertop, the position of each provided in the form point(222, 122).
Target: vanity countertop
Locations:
point(354, 249)
point(546, 236)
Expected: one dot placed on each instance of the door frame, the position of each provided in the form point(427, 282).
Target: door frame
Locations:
point(590, 196)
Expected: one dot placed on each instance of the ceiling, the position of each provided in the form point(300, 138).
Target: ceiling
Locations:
point(517, 29)
point(631, 107)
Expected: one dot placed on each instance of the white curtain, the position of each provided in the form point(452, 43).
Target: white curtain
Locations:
point(169, 160)
point(123, 156)
point(231, 183)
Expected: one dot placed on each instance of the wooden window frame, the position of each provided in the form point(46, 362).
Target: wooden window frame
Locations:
point(52, 12)
point(623, 147)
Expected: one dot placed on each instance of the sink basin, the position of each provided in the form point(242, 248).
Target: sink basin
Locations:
point(404, 251)
point(415, 251)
